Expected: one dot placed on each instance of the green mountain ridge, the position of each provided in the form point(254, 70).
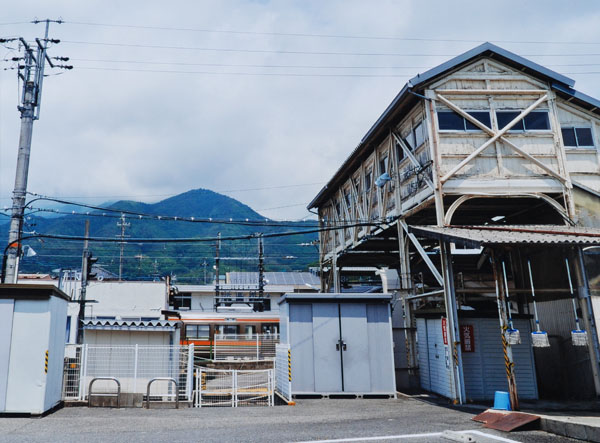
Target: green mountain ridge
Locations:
point(189, 262)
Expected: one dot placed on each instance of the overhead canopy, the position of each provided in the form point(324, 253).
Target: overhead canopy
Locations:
point(477, 236)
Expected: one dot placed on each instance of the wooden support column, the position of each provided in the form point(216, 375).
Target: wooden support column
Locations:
point(407, 286)
point(436, 157)
point(456, 366)
point(506, 347)
point(587, 315)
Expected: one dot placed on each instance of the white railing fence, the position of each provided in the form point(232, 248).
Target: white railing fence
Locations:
point(283, 371)
point(134, 366)
point(233, 388)
point(245, 347)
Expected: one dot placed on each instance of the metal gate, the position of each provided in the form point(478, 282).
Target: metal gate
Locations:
point(233, 388)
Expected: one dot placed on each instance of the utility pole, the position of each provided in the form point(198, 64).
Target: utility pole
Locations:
point(261, 268)
point(204, 264)
point(84, 273)
point(217, 263)
point(122, 224)
point(31, 73)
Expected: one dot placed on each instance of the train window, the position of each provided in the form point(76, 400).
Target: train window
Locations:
point(227, 329)
point(197, 331)
point(249, 329)
point(270, 328)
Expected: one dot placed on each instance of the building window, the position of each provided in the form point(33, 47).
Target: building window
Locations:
point(68, 334)
point(577, 137)
point(383, 165)
point(356, 182)
point(197, 332)
point(367, 181)
point(182, 300)
point(348, 198)
point(399, 152)
point(534, 121)
point(419, 132)
point(451, 121)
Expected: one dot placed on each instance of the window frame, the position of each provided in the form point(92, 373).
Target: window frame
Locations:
point(578, 146)
point(464, 120)
point(523, 121)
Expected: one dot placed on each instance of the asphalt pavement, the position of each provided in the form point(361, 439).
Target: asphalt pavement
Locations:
point(402, 419)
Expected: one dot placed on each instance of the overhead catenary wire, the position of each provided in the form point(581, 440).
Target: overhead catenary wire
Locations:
point(318, 35)
point(194, 239)
point(301, 52)
point(142, 215)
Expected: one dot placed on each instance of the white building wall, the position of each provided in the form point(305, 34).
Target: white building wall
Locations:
point(127, 338)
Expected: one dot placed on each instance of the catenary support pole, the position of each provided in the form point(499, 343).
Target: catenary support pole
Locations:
point(506, 347)
point(587, 315)
point(456, 367)
point(84, 267)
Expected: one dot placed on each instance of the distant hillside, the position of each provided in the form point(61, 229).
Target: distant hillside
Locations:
point(187, 261)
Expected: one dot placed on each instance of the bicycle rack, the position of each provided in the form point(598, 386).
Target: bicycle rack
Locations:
point(118, 394)
point(165, 379)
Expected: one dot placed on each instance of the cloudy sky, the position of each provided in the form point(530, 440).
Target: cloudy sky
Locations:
point(259, 100)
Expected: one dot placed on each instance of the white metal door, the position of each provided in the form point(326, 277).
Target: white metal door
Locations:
point(326, 335)
point(354, 343)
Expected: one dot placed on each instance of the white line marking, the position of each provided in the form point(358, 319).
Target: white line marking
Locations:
point(403, 436)
point(383, 437)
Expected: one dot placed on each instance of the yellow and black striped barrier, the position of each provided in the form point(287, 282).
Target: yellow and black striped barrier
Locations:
point(507, 363)
point(46, 363)
point(289, 365)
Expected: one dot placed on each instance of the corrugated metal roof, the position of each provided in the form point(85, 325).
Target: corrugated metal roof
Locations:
point(476, 236)
point(156, 325)
point(274, 278)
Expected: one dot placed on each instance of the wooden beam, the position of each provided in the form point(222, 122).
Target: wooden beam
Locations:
point(422, 253)
point(493, 91)
point(412, 158)
point(495, 137)
point(522, 153)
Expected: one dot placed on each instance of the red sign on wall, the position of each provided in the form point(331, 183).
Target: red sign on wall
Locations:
point(467, 338)
point(444, 331)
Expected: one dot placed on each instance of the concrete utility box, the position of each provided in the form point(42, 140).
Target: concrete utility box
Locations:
point(483, 357)
point(339, 343)
point(33, 321)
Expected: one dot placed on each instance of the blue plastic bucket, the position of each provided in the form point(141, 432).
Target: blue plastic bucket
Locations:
point(502, 401)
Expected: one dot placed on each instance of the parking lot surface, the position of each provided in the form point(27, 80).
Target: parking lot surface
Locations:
point(403, 419)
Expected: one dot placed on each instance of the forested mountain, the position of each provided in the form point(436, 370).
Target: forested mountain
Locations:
point(189, 262)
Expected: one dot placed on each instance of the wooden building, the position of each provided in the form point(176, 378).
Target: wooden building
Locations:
point(482, 172)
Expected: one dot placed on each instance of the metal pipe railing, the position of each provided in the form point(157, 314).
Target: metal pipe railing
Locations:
point(105, 394)
point(164, 379)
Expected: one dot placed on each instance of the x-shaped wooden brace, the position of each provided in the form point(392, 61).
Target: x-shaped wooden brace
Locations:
point(499, 135)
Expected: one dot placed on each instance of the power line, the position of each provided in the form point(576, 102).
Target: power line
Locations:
point(281, 51)
point(246, 65)
point(340, 36)
point(295, 185)
point(148, 217)
point(257, 74)
point(141, 215)
point(196, 239)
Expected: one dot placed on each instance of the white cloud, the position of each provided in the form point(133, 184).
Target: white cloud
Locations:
point(112, 133)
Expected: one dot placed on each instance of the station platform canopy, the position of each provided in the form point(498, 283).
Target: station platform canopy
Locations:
point(478, 236)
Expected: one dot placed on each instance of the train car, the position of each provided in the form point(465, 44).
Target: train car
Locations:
point(235, 331)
